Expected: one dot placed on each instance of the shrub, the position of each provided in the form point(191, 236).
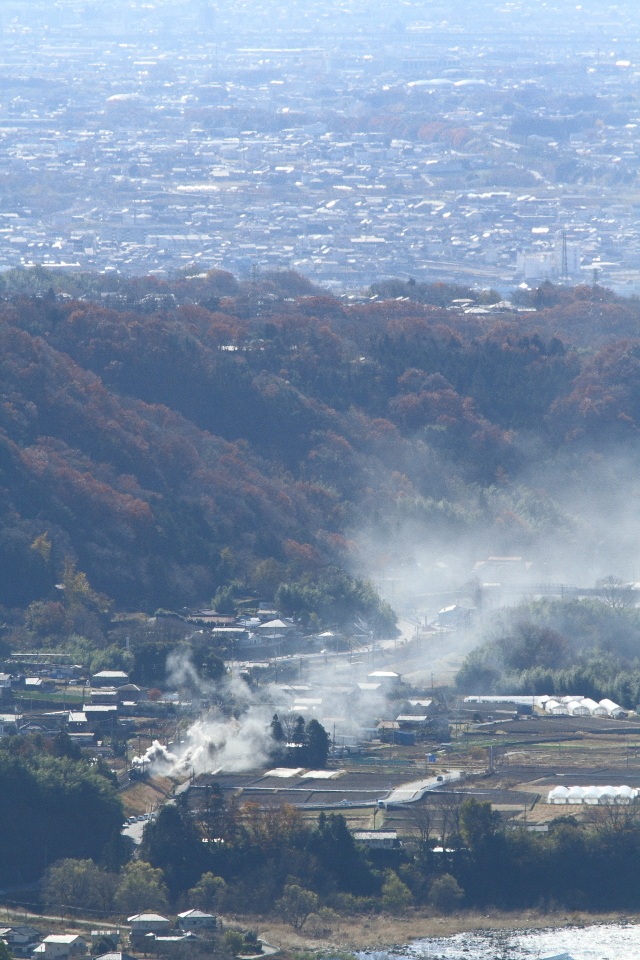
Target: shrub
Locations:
point(233, 941)
point(296, 905)
point(445, 894)
point(206, 893)
point(396, 896)
point(321, 924)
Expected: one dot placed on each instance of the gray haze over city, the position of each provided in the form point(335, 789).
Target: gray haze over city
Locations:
point(484, 143)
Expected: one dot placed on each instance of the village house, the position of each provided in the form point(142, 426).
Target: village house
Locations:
point(109, 678)
point(61, 945)
point(20, 940)
point(144, 923)
point(377, 839)
point(194, 921)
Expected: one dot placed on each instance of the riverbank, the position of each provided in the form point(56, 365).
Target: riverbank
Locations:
point(384, 932)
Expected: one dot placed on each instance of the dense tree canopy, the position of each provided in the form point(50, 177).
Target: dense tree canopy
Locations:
point(562, 647)
point(51, 808)
point(184, 439)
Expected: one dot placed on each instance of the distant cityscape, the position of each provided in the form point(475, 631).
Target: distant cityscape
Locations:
point(352, 145)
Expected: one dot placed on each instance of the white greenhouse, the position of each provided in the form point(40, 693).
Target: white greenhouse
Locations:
point(558, 795)
point(626, 794)
point(613, 709)
point(575, 794)
point(593, 795)
point(555, 708)
point(608, 794)
point(595, 708)
point(577, 708)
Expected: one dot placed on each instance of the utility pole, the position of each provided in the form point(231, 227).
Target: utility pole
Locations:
point(564, 269)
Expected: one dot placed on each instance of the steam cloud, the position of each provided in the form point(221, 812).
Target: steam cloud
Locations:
point(217, 742)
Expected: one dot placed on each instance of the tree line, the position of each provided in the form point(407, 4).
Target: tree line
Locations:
point(241, 859)
point(588, 647)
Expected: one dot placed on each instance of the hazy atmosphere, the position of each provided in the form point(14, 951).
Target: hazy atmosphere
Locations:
point(319, 496)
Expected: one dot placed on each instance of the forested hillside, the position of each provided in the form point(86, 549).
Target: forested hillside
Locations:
point(561, 647)
point(173, 437)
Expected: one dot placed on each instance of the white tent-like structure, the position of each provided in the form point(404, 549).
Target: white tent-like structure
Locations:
point(593, 795)
point(558, 795)
point(626, 794)
point(613, 709)
point(577, 708)
point(575, 794)
point(595, 709)
point(555, 708)
point(608, 794)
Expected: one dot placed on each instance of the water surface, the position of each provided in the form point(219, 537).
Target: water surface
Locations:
point(619, 941)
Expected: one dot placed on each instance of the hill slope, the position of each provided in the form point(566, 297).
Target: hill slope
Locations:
point(150, 437)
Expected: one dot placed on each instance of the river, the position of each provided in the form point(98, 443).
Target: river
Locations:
point(618, 941)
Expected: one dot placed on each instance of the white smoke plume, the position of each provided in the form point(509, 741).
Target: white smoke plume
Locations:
point(215, 742)
point(155, 755)
point(231, 745)
point(218, 742)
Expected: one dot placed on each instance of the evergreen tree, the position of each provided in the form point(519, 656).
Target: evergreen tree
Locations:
point(277, 733)
point(63, 746)
point(299, 734)
point(172, 843)
point(339, 856)
point(318, 744)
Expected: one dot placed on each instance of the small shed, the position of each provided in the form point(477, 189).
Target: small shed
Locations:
point(117, 955)
point(109, 678)
point(386, 677)
point(412, 720)
point(61, 945)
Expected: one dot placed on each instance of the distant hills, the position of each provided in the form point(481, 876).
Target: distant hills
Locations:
point(175, 437)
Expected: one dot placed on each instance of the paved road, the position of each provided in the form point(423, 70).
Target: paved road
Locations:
point(411, 792)
point(23, 914)
point(134, 830)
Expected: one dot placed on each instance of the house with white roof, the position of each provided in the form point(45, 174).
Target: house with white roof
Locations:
point(144, 923)
point(193, 921)
point(61, 945)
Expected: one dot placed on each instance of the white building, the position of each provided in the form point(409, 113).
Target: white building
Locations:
point(61, 945)
point(144, 923)
point(548, 264)
point(192, 921)
point(377, 839)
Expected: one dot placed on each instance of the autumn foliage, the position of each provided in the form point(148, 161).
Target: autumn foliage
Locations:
point(146, 425)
